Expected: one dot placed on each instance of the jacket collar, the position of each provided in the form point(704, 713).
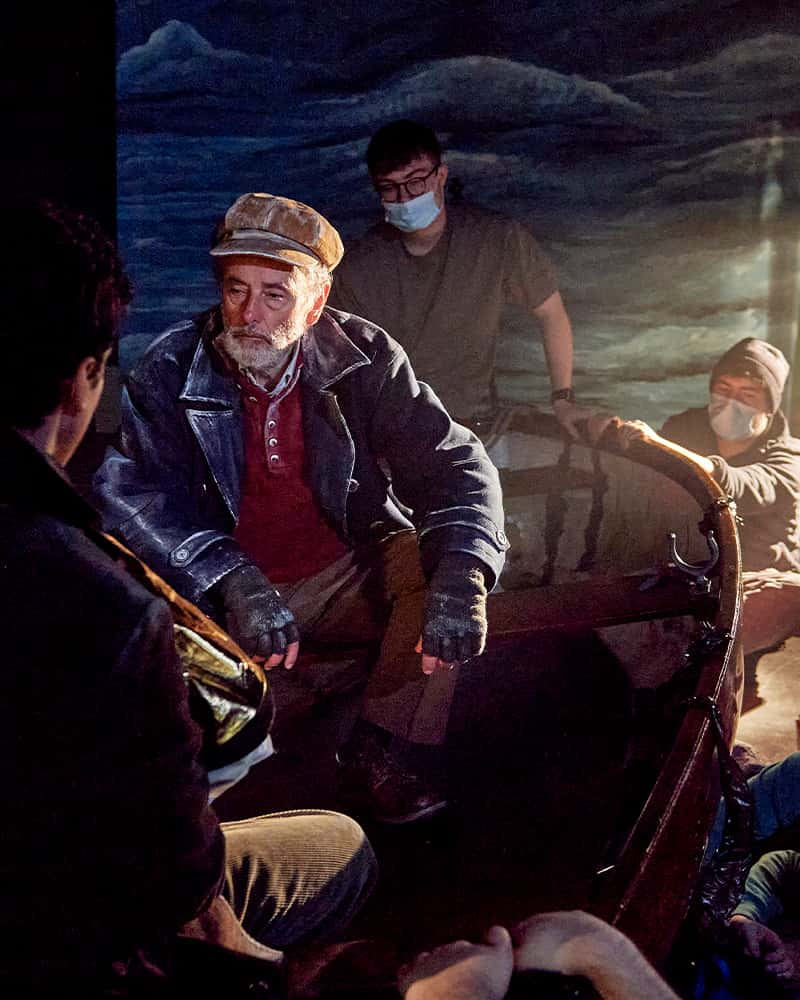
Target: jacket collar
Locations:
point(777, 430)
point(328, 355)
point(32, 479)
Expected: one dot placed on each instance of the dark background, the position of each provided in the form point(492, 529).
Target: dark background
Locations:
point(58, 104)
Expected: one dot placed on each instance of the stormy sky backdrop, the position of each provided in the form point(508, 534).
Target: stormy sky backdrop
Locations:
point(652, 146)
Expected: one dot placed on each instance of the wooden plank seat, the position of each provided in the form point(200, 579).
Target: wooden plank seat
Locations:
point(593, 603)
point(326, 671)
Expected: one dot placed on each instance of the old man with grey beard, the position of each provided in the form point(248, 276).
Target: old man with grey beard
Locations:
point(282, 467)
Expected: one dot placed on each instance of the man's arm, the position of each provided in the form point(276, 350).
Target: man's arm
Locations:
point(441, 471)
point(629, 431)
point(438, 468)
point(773, 479)
point(575, 943)
point(146, 493)
point(556, 332)
point(772, 882)
point(762, 484)
point(557, 339)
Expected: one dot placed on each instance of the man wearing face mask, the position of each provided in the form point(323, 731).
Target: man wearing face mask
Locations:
point(742, 439)
point(438, 276)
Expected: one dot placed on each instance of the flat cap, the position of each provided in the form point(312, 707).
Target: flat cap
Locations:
point(267, 225)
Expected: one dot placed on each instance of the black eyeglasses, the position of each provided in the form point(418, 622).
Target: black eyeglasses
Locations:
point(414, 187)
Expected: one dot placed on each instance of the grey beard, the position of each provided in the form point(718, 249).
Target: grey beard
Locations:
point(265, 360)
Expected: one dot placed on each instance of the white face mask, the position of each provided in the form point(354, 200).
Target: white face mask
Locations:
point(735, 421)
point(409, 216)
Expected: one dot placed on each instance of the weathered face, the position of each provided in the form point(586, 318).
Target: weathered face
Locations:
point(418, 176)
point(744, 390)
point(266, 307)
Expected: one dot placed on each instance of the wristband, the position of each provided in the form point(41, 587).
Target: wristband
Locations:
point(568, 394)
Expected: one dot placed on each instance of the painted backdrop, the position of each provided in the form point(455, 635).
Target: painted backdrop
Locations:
point(652, 145)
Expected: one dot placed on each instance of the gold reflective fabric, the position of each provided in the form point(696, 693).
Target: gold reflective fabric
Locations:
point(232, 685)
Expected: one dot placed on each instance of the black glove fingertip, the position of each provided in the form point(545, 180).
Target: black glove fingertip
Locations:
point(263, 646)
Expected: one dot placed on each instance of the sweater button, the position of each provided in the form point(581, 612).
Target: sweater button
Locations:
point(272, 442)
point(274, 458)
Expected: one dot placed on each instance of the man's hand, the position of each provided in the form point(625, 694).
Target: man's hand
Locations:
point(569, 415)
point(257, 617)
point(629, 431)
point(576, 943)
point(461, 970)
point(454, 619)
point(762, 943)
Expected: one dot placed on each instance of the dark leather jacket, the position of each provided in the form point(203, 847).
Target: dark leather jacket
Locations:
point(109, 840)
point(377, 441)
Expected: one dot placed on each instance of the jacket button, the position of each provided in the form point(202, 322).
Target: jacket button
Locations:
point(272, 442)
point(271, 424)
point(502, 537)
point(274, 458)
point(352, 485)
point(181, 555)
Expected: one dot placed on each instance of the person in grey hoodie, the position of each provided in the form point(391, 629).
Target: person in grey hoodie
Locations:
point(742, 439)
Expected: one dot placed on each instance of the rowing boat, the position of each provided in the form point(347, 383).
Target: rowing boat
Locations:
point(581, 760)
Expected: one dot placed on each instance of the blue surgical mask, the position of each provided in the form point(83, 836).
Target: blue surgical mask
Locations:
point(732, 420)
point(409, 216)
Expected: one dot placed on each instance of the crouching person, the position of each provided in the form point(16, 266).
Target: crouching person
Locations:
point(742, 439)
point(276, 457)
point(111, 848)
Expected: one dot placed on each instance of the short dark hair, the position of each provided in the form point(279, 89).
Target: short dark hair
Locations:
point(397, 143)
point(63, 291)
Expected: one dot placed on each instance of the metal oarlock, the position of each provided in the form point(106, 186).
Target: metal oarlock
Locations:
point(699, 571)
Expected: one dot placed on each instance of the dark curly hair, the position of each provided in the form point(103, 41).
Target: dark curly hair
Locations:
point(63, 292)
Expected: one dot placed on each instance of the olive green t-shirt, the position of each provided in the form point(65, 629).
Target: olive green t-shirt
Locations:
point(445, 307)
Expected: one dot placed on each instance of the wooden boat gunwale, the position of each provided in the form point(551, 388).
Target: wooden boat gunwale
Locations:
point(648, 885)
point(630, 893)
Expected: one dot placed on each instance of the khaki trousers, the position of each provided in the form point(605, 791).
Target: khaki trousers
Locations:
point(377, 594)
point(297, 877)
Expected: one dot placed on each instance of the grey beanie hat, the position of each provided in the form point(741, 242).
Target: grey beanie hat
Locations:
point(757, 359)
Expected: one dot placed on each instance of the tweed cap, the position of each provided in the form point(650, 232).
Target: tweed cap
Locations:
point(757, 359)
point(267, 225)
